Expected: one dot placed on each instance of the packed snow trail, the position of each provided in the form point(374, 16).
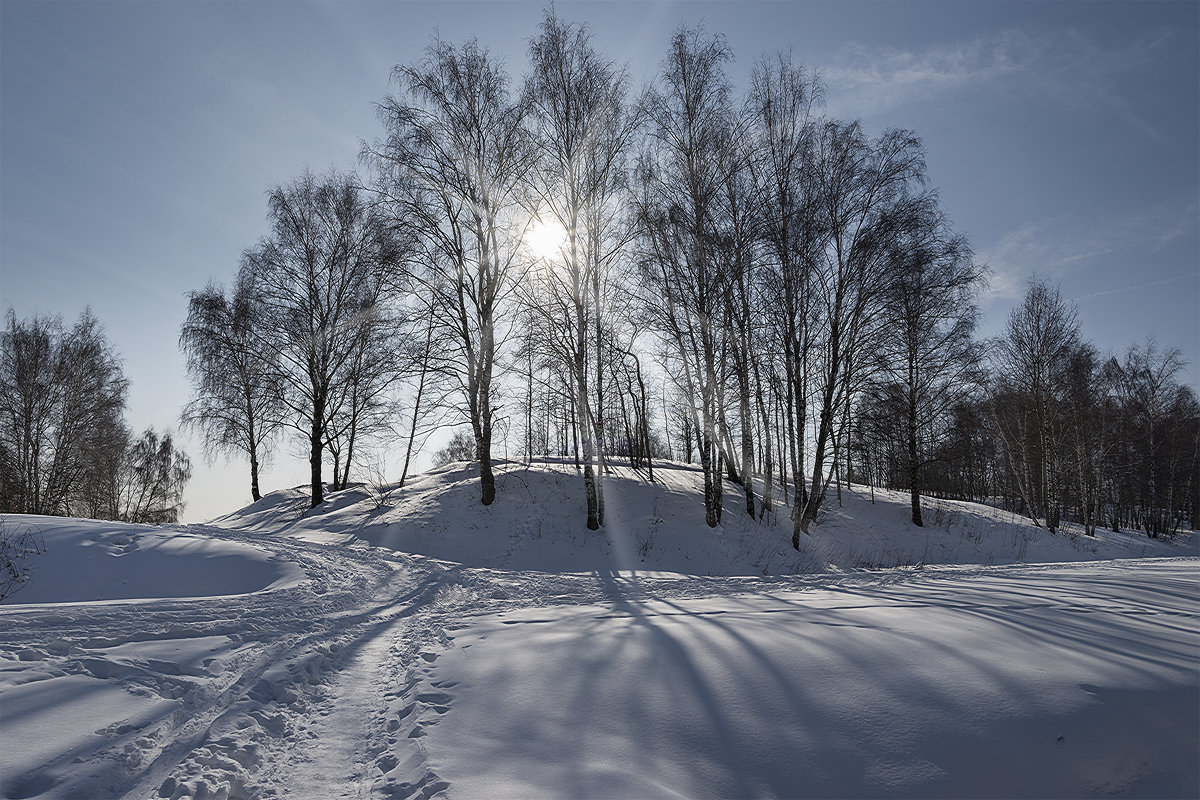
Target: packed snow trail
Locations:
point(222, 724)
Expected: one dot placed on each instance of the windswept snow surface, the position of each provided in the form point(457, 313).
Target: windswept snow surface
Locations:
point(427, 646)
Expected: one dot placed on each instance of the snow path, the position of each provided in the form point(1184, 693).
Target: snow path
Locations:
point(224, 727)
point(337, 756)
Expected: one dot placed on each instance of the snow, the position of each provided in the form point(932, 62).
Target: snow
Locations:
point(933, 686)
point(656, 527)
point(428, 646)
point(86, 560)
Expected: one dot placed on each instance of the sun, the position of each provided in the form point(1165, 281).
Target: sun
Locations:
point(546, 237)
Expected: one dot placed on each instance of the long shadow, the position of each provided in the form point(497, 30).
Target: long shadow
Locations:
point(834, 754)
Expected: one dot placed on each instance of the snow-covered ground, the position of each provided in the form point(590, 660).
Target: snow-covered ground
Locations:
point(425, 646)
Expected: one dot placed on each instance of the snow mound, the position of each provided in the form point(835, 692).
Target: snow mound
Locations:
point(537, 522)
point(91, 561)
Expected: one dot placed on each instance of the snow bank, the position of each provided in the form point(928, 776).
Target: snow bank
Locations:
point(420, 645)
point(90, 561)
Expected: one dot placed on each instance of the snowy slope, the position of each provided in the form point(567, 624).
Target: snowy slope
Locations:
point(537, 522)
point(88, 560)
point(428, 646)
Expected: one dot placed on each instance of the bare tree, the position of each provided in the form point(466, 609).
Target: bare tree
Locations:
point(782, 103)
point(152, 479)
point(363, 405)
point(680, 181)
point(237, 386)
point(453, 163)
point(66, 448)
point(428, 388)
point(1156, 409)
point(858, 183)
point(62, 394)
point(322, 273)
point(1086, 429)
point(927, 351)
point(461, 447)
point(1031, 359)
point(581, 129)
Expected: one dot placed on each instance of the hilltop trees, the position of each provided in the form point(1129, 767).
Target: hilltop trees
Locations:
point(788, 279)
point(324, 276)
point(860, 193)
point(782, 104)
point(453, 165)
point(310, 337)
point(580, 130)
point(679, 185)
point(926, 359)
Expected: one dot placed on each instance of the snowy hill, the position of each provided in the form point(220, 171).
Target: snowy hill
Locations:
point(429, 647)
point(537, 522)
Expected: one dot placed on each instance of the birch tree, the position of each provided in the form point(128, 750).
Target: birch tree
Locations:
point(782, 104)
point(928, 352)
point(858, 182)
point(581, 129)
point(322, 272)
point(236, 402)
point(1031, 358)
point(680, 181)
point(453, 164)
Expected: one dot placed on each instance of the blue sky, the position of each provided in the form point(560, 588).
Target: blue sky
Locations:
point(137, 140)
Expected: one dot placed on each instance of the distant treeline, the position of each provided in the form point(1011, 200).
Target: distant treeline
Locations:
point(65, 449)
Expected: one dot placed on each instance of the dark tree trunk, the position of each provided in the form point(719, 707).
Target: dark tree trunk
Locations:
point(712, 482)
point(316, 440)
point(253, 442)
point(914, 467)
point(487, 479)
point(768, 464)
point(254, 476)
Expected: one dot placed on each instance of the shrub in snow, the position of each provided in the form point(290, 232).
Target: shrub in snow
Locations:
point(16, 545)
point(461, 447)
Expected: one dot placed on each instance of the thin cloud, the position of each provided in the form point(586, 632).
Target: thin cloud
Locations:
point(1185, 276)
point(1068, 66)
point(1061, 246)
point(883, 78)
